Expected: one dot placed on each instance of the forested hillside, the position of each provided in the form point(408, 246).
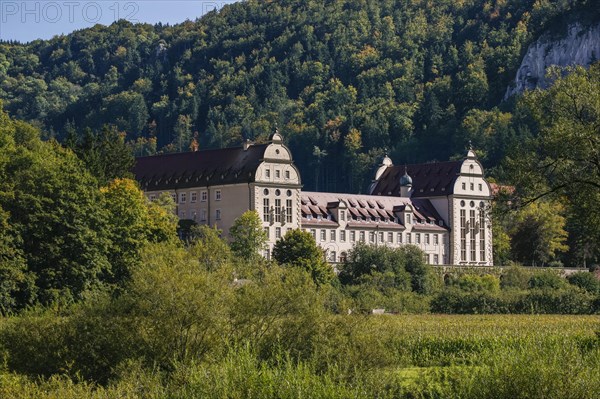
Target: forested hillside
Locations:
point(342, 79)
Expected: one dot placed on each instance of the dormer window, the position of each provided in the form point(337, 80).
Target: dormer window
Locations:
point(319, 217)
point(408, 219)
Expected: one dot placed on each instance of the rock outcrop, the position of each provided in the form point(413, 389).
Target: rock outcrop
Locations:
point(580, 45)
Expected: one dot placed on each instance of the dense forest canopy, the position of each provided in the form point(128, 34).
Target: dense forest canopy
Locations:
point(343, 80)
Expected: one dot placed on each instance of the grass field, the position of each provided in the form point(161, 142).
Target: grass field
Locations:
point(417, 356)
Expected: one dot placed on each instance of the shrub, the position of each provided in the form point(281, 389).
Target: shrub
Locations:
point(299, 249)
point(585, 280)
point(546, 279)
point(474, 283)
point(569, 300)
point(456, 300)
point(515, 277)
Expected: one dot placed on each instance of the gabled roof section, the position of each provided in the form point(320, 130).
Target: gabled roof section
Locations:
point(197, 169)
point(429, 179)
point(359, 206)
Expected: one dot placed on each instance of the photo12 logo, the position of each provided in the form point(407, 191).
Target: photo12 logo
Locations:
point(91, 12)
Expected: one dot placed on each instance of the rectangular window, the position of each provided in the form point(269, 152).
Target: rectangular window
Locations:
point(342, 236)
point(480, 187)
point(194, 216)
point(463, 235)
point(408, 219)
point(152, 197)
point(464, 186)
point(426, 239)
point(182, 214)
point(353, 236)
point(362, 236)
point(323, 235)
point(381, 236)
point(436, 259)
point(482, 235)
point(390, 237)
point(371, 237)
point(342, 215)
point(287, 174)
point(218, 214)
point(203, 196)
point(182, 198)
point(314, 233)
point(277, 211)
point(472, 186)
point(203, 215)
point(332, 236)
point(218, 195)
point(332, 256)
point(194, 197)
point(428, 259)
point(266, 211)
point(436, 239)
point(174, 197)
point(277, 173)
point(472, 233)
point(417, 238)
point(288, 211)
point(277, 232)
point(399, 238)
point(409, 238)
point(268, 173)
point(267, 233)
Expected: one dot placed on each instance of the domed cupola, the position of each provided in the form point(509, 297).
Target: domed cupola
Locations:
point(405, 184)
point(405, 180)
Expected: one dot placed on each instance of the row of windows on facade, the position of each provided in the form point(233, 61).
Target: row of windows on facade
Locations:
point(378, 237)
point(331, 256)
point(277, 174)
point(193, 197)
point(277, 213)
point(473, 226)
point(202, 217)
point(432, 259)
point(472, 186)
point(355, 218)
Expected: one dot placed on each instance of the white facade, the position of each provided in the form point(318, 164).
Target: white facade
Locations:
point(442, 208)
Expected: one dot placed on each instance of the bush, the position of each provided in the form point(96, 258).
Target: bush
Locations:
point(403, 268)
point(585, 280)
point(456, 300)
point(299, 249)
point(546, 279)
point(515, 277)
point(569, 300)
point(474, 283)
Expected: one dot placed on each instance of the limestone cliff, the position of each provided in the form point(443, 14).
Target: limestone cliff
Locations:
point(578, 45)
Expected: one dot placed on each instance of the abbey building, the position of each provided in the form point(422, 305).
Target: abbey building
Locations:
point(440, 207)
